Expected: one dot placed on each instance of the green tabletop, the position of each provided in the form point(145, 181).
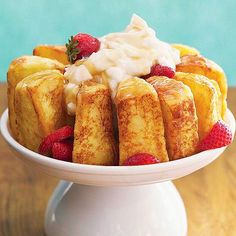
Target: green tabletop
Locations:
point(206, 25)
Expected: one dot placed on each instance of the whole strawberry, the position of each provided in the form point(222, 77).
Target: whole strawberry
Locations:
point(81, 45)
point(141, 159)
point(219, 136)
point(159, 70)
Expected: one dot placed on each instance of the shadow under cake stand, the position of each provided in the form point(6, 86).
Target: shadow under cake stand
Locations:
point(114, 200)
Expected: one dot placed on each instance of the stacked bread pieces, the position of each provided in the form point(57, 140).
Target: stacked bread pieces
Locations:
point(199, 65)
point(35, 99)
point(39, 107)
point(206, 99)
point(18, 70)
point(140, 120)
point(179, 115)
point(163, 117)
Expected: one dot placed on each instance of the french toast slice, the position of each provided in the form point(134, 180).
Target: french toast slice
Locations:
point(199, 65)
point(141, 128)
point(39, 107)
point(56, 52)
point(206, 100)
point(179, 116)
point(19, 69)
point(185, 50)
point(94, 141)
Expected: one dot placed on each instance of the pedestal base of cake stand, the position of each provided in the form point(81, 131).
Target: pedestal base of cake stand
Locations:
point(150, 210)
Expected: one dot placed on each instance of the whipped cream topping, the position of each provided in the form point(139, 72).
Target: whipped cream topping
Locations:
point(76, 74)
point(121, 56)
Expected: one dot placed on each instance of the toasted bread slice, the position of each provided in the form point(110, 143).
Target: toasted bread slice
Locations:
point(141, 128)
point(200, 65)
point(39, 107)
point(18, 70)
point(56, 52)
point(205, 98)
point(179, 115)
point(185, 50)
point(219, 95)
point(94, 141)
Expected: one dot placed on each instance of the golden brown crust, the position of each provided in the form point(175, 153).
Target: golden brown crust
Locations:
point(141, 128)
point(132, 88)
point(185, 50)
point(56, 52)
point(199, 65)
point(38, 107)
point(179, 115)
point(94, 141)
point(206, 100)
point(18, 70)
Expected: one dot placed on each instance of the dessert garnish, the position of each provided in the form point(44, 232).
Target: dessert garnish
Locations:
point(63, 150)
point(81, 45)
point(141, 159)
point(219, 136)
point(59, 135)
point(122, 55)
point(159, 70)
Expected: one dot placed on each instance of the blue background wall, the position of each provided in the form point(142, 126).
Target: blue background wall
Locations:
point(207, 25)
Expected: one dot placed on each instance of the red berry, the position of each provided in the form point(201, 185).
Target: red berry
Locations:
point(159, 70)
point(219, 136)
point(141, 159)
point(62, 151)
point(57, 136)
point(81, 45)
point(87, 44)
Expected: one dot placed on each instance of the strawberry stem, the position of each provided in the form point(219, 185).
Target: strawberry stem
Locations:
point(72, 49)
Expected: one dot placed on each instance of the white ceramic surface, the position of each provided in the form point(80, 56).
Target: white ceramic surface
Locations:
point(112, 175)
point(146, 210)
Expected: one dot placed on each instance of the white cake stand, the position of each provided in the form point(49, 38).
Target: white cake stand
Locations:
point(117, 200)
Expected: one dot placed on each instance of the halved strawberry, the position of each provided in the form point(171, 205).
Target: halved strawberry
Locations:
point(219, 136)
point(160, 70)
point(141, 159)
point(62, 151)
point(58, 135)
